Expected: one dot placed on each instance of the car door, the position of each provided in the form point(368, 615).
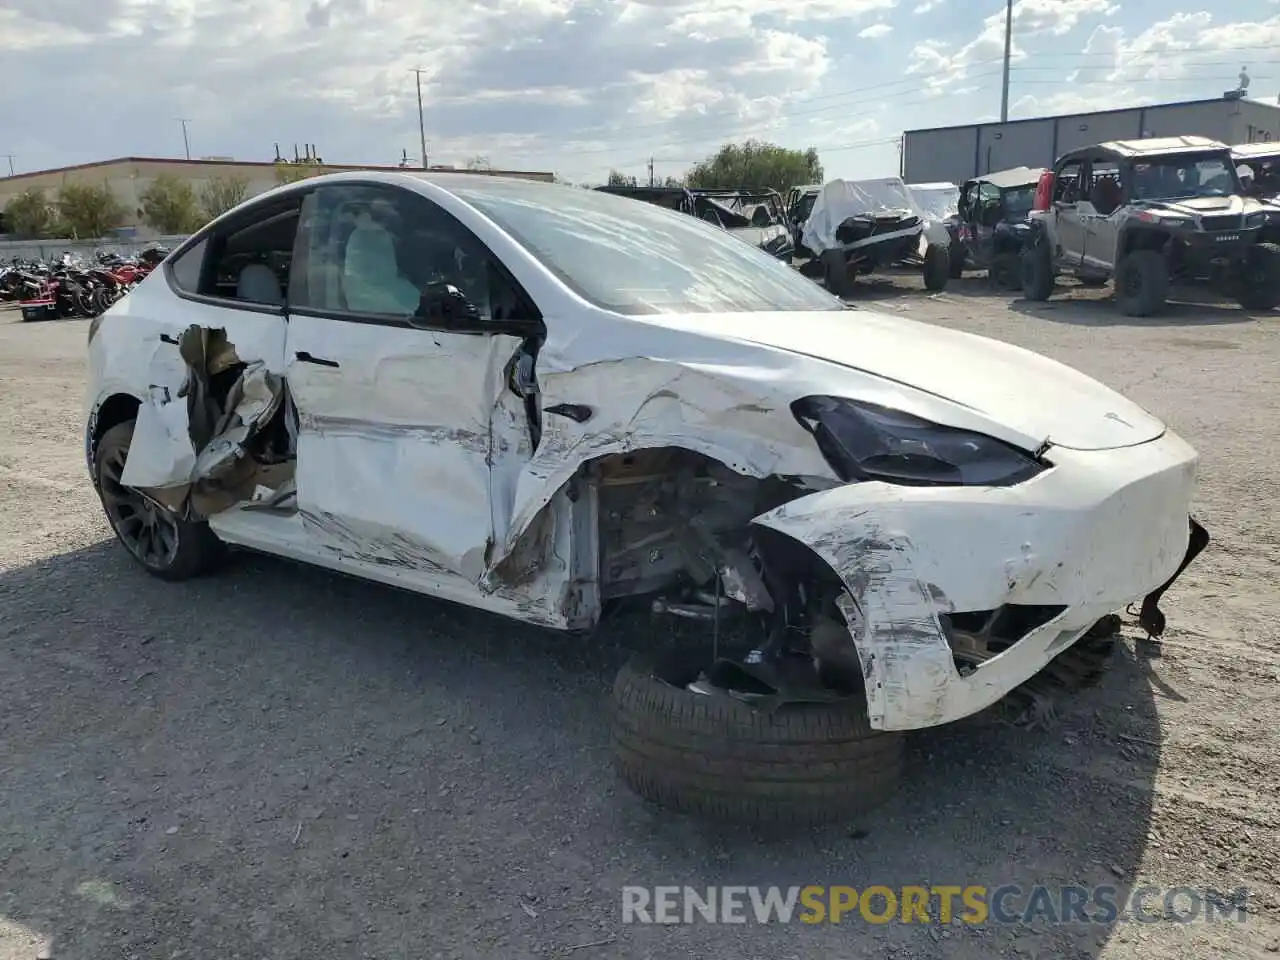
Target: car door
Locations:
point(405, 420)
point(1068, 232)
point(225, 309)
point(1100, 224)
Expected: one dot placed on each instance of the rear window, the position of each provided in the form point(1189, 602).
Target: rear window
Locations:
point(633, 257)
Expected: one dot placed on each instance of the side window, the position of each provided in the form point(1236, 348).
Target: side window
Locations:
point(373, 250)
point(250, 259)
point(186, 270)
point(1066, 184)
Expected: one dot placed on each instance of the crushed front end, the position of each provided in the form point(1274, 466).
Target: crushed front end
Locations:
point(956, 595)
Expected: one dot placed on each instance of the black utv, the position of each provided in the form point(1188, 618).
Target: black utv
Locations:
point(990, 226)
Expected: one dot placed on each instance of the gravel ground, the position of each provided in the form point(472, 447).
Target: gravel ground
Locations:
point(276, 762)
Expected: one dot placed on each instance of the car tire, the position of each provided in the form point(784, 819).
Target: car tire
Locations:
point(1260, 289)
point(1142, 283)
point(1004, 272)
point(165, 546)
point(715, 756)
point(836, 275)
point(1036, 273)
point(955, 262)
point(937, 267)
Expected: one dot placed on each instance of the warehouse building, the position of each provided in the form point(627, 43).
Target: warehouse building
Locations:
point(955, 154)
point(129, 177)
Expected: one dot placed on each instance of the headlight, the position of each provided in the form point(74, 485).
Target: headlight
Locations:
point(862, 441)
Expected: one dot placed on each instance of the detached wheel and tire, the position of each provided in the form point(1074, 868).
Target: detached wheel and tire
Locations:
point(937, 267)
point(1260, 285)
point(1142, 283)
point(167, 547)
point(1037, 273)
point(715, 756)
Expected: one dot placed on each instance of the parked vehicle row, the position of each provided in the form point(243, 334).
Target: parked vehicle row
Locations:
point(1147, 214)
point(69, 287)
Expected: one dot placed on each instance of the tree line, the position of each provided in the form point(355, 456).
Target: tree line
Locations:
point(753, 163)
point(172, 205)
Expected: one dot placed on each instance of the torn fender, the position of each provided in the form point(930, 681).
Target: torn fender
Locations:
point(1098, 531)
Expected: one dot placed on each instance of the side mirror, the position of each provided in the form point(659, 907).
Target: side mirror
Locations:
point(444, 305)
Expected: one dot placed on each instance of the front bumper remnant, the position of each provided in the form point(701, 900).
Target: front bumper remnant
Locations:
point(1095, 532)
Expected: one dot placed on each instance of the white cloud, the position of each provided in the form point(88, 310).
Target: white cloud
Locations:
point(944, 66)
point(1178, 50)
point(875, 31)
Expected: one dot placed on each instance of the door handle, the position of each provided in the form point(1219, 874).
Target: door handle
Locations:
point(306, 357)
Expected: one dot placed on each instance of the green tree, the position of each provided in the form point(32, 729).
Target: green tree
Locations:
point(170, 205)
point(619, 179)
point(287, 172)
point(221, 194)
point(755, 163)
point(89, 210)
point(30, 214)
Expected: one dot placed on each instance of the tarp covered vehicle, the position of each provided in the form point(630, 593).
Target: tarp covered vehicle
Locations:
point(857, 226)
point(990, 224)
point(755, 215)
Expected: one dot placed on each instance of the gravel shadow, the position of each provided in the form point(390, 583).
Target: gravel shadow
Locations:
point(275, 761)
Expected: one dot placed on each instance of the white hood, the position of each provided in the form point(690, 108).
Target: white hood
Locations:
point(1030, 394)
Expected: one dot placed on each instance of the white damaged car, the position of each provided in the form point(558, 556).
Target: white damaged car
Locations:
point(540, 401)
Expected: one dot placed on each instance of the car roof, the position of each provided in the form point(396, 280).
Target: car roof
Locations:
point(1244, 151)
point(1013, 177)
point(1152, 147)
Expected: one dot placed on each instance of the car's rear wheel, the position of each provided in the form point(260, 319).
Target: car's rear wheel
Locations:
point(1260, 286)
point(937, 267)
point(713, 755)
point(167, 546)
point(1142, 283)
point(1037, 273)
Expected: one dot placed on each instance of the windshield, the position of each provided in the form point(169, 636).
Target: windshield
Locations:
point(937, 202)
point(1018, 202)
point(635, 258)
point(1181, 177)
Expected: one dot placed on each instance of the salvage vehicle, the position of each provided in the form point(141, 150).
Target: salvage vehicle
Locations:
point(753, 215)
point(990, 225)
point(799, 205)
point(856, 226)
point(542, 401)
point(937, 201)
point(1148, 212)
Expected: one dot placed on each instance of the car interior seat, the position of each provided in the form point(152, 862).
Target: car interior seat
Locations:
point(258, 283)
point(371, 280)
point(1105, 196)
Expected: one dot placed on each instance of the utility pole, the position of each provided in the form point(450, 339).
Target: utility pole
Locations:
point(651, 170)
point(10, 158)
point(1008, 54)
point(422, 126)
point(186, 143)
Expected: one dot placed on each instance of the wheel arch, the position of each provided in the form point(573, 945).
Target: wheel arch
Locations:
point(115, 409)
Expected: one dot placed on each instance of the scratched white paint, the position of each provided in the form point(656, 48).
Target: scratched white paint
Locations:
point(1099, 530)
point(414, 464)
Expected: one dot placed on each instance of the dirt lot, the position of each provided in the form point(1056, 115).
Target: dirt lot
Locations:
point(278, 763)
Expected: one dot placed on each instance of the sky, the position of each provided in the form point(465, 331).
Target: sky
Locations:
point(580, 87)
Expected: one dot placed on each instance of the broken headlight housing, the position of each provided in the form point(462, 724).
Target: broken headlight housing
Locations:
point(863, 441)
